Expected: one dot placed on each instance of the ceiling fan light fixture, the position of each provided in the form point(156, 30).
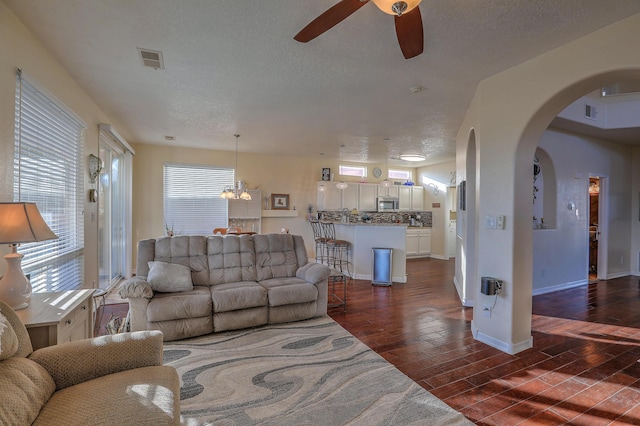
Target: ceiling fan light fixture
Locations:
point(395, 7)
point(412, 157)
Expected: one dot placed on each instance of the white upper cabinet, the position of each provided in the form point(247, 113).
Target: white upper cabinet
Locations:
point(361, 196)
point(246, 209)
point(367, 194)
point(411, 197)
point(391, 191)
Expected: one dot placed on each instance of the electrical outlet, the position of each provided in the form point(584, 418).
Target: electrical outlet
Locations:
point(487, 311)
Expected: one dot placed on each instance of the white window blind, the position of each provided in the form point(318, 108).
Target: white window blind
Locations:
point(48, 170)
point(192, 203)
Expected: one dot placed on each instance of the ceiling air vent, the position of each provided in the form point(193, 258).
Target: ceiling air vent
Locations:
point(590, 112)
point(151, 58)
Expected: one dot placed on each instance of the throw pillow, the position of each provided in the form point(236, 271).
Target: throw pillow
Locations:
point(169, 277)
point(8, 339)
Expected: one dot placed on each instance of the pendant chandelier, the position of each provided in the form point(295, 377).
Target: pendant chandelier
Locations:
point(238, 190)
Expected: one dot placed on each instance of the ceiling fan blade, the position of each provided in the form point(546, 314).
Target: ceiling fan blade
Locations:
point(410, 33)
point(331, 17)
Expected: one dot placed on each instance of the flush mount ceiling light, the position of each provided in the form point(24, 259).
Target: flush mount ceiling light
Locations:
point(412, 157)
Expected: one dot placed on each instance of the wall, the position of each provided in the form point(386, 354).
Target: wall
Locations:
point(508, 116)
point(442, 172)
point(20, 49)
point(297, 177)
point(560, 255)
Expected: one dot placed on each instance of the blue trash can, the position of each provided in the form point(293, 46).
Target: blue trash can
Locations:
point(382, 261)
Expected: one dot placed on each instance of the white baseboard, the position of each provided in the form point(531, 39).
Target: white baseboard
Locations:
point(510, 348)
point(618, 275)
point(563, 286)
point(468, 303)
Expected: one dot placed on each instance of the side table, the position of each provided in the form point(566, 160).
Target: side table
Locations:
point(58, 317)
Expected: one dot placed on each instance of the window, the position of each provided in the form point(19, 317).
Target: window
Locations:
point(352, 171)
point(192, 203)
point(48, 171)
point(400, 174)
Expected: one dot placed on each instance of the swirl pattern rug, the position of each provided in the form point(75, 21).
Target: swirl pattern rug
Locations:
point(310, 372)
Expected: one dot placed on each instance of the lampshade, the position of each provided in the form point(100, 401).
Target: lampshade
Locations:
point(387, 6)
point(19, 223)
point(341, 185)
point(412, 157)
point(386, 183)
point(22, 223)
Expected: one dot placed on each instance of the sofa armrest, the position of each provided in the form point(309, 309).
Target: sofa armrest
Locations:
point(313, 272)
point(135, 287)
point(81, 360)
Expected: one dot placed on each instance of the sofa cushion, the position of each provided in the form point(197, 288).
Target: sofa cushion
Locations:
point(241, 295)
point(187, 250)
point(142, 396)
point(275, 256)
point(231, 258)
point(186, 304)
point(8, 339)
point(169, 277)
point(25, 387)
point(288, 291)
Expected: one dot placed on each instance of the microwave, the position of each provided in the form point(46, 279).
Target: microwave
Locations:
point(388, 204)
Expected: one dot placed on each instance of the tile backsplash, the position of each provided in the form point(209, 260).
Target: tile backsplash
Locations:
point(375, 217)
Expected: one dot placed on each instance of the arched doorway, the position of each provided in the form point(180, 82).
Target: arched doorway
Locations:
point(509, 114)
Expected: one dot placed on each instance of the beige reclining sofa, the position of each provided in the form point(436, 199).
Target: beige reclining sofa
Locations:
point(109, 380)
point(188, 286)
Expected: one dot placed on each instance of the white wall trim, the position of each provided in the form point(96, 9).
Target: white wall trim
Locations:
point(563, 286)
point(467, 303)
point(510, 348)
point(619, 275)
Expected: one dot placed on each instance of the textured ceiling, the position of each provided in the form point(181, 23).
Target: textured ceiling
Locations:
point(233, 67)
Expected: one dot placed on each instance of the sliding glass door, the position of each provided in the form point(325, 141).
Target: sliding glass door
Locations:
point(111, 216)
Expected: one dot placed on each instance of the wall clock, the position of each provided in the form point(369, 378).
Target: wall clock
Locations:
point(377, 172)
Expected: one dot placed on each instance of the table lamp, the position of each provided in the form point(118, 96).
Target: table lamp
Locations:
point(19, 223)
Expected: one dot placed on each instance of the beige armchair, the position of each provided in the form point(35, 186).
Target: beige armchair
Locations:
point(109, 380)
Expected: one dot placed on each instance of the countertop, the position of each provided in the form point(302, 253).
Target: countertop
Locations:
point(406, 225)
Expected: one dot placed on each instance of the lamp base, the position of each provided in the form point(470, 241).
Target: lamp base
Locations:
point(15, 288)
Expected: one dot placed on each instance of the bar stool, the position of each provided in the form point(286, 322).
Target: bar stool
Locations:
point(337, 250)
point(320, 240)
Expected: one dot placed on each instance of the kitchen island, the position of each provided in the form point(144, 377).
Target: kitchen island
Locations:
point(365, 236)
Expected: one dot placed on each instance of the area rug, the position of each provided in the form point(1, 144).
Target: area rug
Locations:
point(310, 372)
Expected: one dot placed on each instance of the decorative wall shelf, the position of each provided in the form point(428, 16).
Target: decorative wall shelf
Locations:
point(279, 213)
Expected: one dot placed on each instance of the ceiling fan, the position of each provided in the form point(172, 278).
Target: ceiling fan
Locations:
point(407, 18)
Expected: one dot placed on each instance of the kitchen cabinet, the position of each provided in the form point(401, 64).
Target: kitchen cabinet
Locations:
point(367, 195)
point(246, 209)
point(246, 214)
point(411, 197)
point(418, 242)
point(332, 198)
point(391, 191)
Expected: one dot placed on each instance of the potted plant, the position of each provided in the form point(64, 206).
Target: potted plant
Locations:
point(168, 230)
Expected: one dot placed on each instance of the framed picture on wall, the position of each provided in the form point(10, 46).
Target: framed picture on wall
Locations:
point(326, 174)
point(280, 201)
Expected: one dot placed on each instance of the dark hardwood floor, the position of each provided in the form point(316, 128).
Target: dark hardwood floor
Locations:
point(584, 368)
